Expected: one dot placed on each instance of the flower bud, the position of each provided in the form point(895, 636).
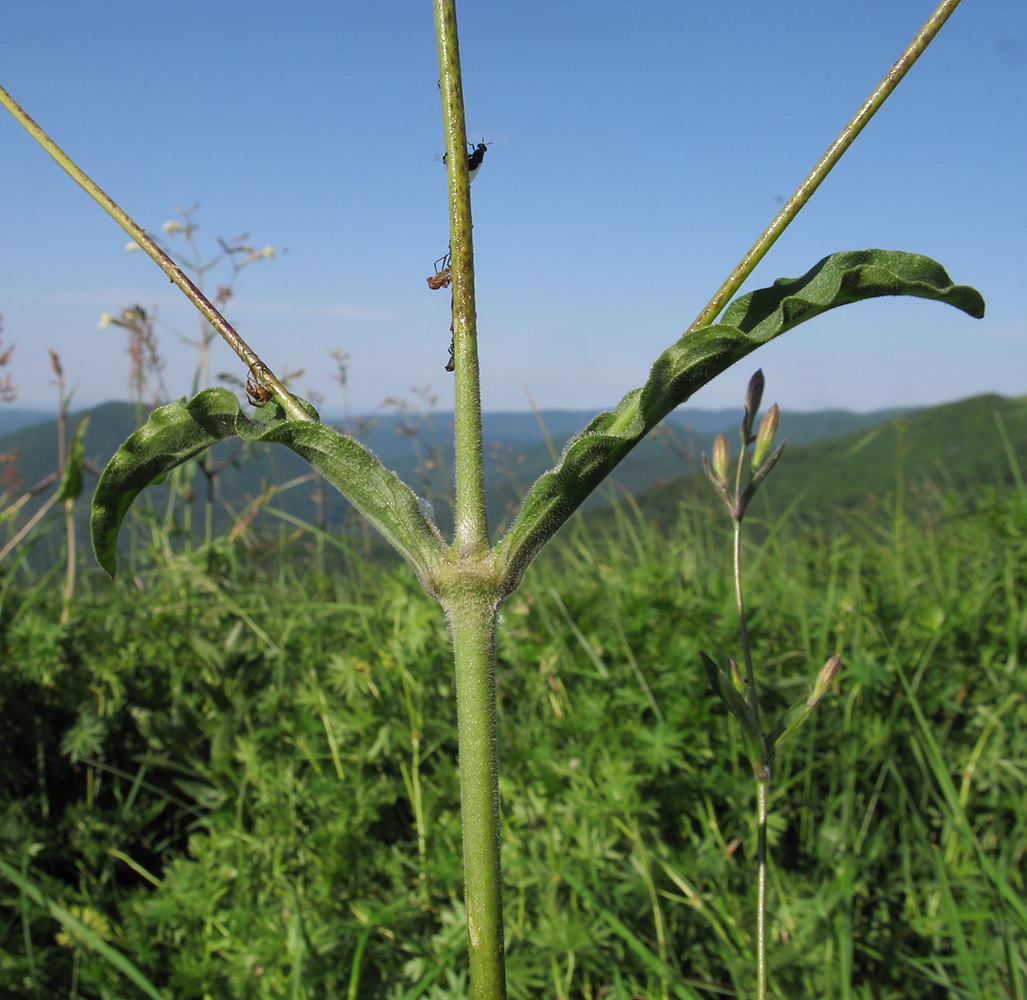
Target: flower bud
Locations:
point(824, 679)
point(753, 395)
point(721, 457)
point(768, 428)
point(734, 671)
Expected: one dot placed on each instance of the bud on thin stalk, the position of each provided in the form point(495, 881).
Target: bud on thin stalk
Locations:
point(753, 395)
point(737, 679)
point(824, 679)
point(768, 428)
point(721, 458)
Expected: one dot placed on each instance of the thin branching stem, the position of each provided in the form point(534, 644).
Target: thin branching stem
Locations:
point(750, 677)
point(824, 166)
point(163, 261)
point(761, 768)
point(762, 790)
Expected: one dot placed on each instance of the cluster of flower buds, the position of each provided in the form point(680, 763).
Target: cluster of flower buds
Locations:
point(761, 462)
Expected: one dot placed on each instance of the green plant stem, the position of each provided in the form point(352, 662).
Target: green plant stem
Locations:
point(750, 677)
point(163, 261)
point(762, 772)
point(824, 166)
point(471, 532)
point(762, 791)
point(470, 592)
point(472, 617)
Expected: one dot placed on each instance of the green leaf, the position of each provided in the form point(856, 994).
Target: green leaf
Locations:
point(752, 737)
point(378, 493)
point(178, 431)
point(173, 434)
point(71, 484)
point(700, 356)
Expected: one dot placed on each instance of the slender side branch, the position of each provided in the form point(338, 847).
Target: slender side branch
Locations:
point(762, 794)
point(471, 535)
point(163, 261)
point(825, 165)
point(750, 676)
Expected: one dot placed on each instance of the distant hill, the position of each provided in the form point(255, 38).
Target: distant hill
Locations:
point(419, 448)
point(955, 446)
point(13, 418)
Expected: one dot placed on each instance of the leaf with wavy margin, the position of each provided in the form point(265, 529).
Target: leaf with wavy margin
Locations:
point(177, 432)
point(698, 357)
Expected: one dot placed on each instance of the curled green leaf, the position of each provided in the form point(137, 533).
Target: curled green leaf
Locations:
point(177, 432)
point(698, 357)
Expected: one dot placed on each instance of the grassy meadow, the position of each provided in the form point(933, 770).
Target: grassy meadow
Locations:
point(231, 774)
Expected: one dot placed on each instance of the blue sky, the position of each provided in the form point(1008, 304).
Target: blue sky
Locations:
point(636, 151)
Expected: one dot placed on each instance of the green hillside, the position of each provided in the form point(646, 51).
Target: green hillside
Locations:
point(956, 446)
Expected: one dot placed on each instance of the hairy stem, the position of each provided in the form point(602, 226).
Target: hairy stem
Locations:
point(472, 617)
point(824, 166)
point(471, 534)
point(471, 594)
point(163, 261)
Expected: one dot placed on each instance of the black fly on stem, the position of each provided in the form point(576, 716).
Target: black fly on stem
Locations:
point(474, 158)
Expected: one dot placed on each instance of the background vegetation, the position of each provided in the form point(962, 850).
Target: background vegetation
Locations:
point(173, 791)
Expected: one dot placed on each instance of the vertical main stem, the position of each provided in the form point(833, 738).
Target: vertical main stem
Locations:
point(471, 533)
point(471, 599)
point(472, 618)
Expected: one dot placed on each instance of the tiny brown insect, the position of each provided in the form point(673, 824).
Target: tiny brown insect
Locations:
point(440, 279)
point(443, 274)
point(256, 392)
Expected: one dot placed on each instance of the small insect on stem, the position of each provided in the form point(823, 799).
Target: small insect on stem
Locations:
point(256, 392)
point(451, 363)
point(474, 158)
point(443, 274)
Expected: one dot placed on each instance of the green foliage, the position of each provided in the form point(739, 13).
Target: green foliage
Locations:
point(179, 431)
point(699, 356)
point(949, 447)
point(240, 827)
